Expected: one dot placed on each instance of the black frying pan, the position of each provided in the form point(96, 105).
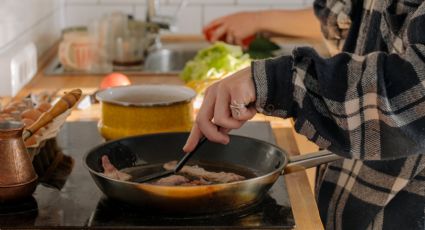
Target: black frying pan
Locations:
point(262, 163)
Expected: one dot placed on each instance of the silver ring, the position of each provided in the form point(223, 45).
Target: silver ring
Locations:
point(235, 107)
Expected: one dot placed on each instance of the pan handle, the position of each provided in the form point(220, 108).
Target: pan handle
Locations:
point(305, 161)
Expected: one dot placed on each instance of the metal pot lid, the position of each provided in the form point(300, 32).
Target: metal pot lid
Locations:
point(146, 95)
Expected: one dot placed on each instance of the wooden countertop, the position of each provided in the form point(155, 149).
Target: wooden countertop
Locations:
point(300, 192)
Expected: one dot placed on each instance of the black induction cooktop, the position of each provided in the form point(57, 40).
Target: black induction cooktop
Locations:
point(81, 205)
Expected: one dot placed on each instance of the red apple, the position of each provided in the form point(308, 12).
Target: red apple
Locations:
point(114, 79)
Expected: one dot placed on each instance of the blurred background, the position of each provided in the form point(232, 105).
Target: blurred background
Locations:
point(41, 21)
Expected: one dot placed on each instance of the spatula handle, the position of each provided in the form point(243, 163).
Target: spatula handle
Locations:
point(67, 101)
point(188, 155)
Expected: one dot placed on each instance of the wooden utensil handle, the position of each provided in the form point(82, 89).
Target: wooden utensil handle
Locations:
point(65, 102)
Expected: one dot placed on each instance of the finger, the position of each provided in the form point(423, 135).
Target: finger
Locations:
point(210, 131)
point(222, 114)
point(225, 130)
point(219, 33)
point(229, 37)
point(245, 114)
point(204, 120)
point(238, 41)
point(193, 139)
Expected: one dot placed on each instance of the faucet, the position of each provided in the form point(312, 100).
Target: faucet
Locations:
point(167, 22)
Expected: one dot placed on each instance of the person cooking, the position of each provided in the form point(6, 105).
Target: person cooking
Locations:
point(366, 103)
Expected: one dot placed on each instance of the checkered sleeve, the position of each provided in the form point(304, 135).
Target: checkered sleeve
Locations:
point(335, 20)
point(369, 107)
point(334, 17)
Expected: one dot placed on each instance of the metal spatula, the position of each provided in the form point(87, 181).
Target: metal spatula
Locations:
point(179, 166)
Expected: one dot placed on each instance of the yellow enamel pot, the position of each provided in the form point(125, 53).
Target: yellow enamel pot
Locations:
point(145, 109)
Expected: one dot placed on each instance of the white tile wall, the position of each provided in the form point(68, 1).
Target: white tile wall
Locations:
point(45, 34)
point(29, 20)
point(122, 2)
point(189, 20)
point(41, 20)
point(80, 15)
point(213, 12)
point(195, 15)
point(140, 12)
point(271, 2)
point(206, 2)
point(86, 2)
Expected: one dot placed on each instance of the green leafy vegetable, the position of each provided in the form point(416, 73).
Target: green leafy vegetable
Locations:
point(261, 48)
point(215, 62)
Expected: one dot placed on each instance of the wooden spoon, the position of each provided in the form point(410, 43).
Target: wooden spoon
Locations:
point(65, 102)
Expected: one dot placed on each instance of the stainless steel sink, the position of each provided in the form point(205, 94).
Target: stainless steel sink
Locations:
point(170, 58)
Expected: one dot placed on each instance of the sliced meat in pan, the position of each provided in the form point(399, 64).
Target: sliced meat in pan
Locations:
point(198, 172)
point(110, 171)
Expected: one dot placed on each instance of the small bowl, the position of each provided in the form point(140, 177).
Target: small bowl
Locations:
point(145, 109)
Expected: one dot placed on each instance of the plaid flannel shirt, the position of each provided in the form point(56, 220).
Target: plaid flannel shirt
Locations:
point(366, 103)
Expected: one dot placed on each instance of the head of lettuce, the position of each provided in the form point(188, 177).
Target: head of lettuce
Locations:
point(213, 63)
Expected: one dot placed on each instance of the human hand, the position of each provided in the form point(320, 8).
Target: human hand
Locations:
point(224, 108)
point(234, 29)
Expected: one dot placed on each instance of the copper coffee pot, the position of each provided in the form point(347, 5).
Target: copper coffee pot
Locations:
point(17, 176)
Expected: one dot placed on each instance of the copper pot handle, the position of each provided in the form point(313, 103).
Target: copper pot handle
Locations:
point(66, 102)
point(305, 161)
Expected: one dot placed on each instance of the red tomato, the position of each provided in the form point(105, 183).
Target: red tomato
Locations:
point(246, 41)
point(114, 79)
